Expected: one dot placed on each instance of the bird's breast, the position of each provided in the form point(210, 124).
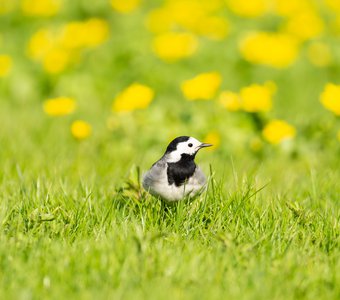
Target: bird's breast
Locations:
point(178, 173)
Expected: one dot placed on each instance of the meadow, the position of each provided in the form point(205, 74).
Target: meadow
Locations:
point(91, 93)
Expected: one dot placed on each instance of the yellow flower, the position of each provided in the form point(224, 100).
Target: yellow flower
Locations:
point(204, 86)
point(189, 15)
point(56, 60)
point(174, 46)
point(125, 6)
point(213, 138)
point(319, 54)
point(213, 27)
point(5, 65)
point(278, 131)
point(231, 101)
point(56, 50)
point(186, 14)
point(97, 32)
point(334, 5)
point(81, 129)
point(256, 98)
point(330, 98)
point(305, 25)
point(249, 9)
point(135, 96)
point(40, 43)
point(290, 7)
point(40, 8)
point(59, 106)
point(277, 50)
point(73, 35)
point(45, 47)
point(159, 20)
point(90, 33)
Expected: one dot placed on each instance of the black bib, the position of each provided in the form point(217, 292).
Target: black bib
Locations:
point(179, 172)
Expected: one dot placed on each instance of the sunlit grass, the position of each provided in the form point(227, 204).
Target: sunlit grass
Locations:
point(85, 237)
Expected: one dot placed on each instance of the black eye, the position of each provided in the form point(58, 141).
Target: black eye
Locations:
point(190, 145)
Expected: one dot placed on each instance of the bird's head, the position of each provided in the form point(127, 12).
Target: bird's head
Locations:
point(184, 147)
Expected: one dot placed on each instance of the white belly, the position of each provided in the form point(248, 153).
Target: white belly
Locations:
point(172, 193)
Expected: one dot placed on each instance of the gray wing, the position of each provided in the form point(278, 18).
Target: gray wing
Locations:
point(155, 174)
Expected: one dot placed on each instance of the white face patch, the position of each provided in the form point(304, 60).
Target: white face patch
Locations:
point(190, 147)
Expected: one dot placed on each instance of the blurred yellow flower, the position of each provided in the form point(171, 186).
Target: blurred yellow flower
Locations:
point(59, 106)
point(40, 8)
point(203, 86)
point(187, 13)
point(159, 20)
point(290, 7)
point(89, 33)
point(231, 101)
point(334, 5)
point(215, 28)
point(97, 32)
point(40, 43)
point(56, 49)
point(45, 47)
point(248, 9)
point(256, 98)
point(213, 138)
point(330, 98)
point(277, 131)
point(81, 129)
point(135, 96)
point(174, 46)
point(125, 6)
point(56, 60)
point(319, 54)
point(73, 35)
point(305, 25)
point(5, 65)
point(277, 50)
point(194, 16)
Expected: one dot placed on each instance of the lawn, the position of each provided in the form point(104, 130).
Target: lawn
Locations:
point(90, 96)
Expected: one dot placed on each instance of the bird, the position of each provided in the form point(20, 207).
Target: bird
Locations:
point(175, 176)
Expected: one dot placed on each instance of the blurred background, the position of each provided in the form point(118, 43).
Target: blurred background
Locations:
point(96, 87)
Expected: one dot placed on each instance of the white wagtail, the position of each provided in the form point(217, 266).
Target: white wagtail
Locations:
point(176, 175)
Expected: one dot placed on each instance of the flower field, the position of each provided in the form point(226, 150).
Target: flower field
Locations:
point(91, 93)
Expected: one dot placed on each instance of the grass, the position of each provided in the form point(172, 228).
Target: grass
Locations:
point(83, 237)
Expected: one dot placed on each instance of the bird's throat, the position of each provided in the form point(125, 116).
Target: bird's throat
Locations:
point(179, 172)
